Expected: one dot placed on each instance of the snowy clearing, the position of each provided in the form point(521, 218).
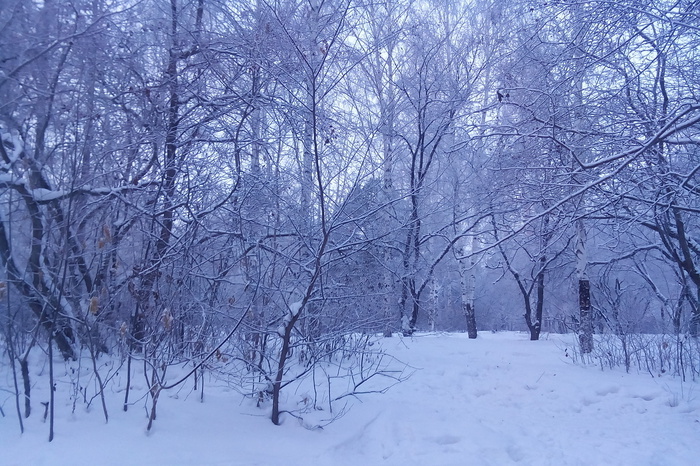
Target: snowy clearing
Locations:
point(497, 400)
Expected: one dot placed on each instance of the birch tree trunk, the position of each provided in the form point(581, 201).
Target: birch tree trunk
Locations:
point(434, 296)
point(467, 282)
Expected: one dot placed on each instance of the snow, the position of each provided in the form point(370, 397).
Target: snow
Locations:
point(295, 307)
point(292, 311)
point(16, 144)
point(7, 178)
point(497, 400)
point(46, 195)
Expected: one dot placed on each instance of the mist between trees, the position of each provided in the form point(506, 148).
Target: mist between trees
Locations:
point(274, 184)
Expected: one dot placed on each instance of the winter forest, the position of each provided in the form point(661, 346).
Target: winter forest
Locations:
point(261, 192)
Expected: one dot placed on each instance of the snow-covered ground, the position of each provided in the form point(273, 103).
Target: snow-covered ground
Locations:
point(497, 400)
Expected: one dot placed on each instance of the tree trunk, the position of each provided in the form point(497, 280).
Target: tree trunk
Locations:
point(434, 296)
point(695, 315)
point(36, 294)
point(584, 291)
point(24, 369)
point(536, 328)
point(169, 179)
point(468, 289)
point(586, 332)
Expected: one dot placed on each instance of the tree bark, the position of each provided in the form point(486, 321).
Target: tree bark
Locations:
point(468, 289)
point(586, 332)
point(584, 291)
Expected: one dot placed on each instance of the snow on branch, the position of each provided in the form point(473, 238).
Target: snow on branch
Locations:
point(13, 146)
point(44, 195)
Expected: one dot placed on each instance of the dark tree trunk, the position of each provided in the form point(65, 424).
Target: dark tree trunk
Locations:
point(584, 299)
point(24, 369)
point(536, 327)
point(528, 317)
point(584, 292)
point(471, 320)
point(415, 298)
point(169, 180)
point(284, 354)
